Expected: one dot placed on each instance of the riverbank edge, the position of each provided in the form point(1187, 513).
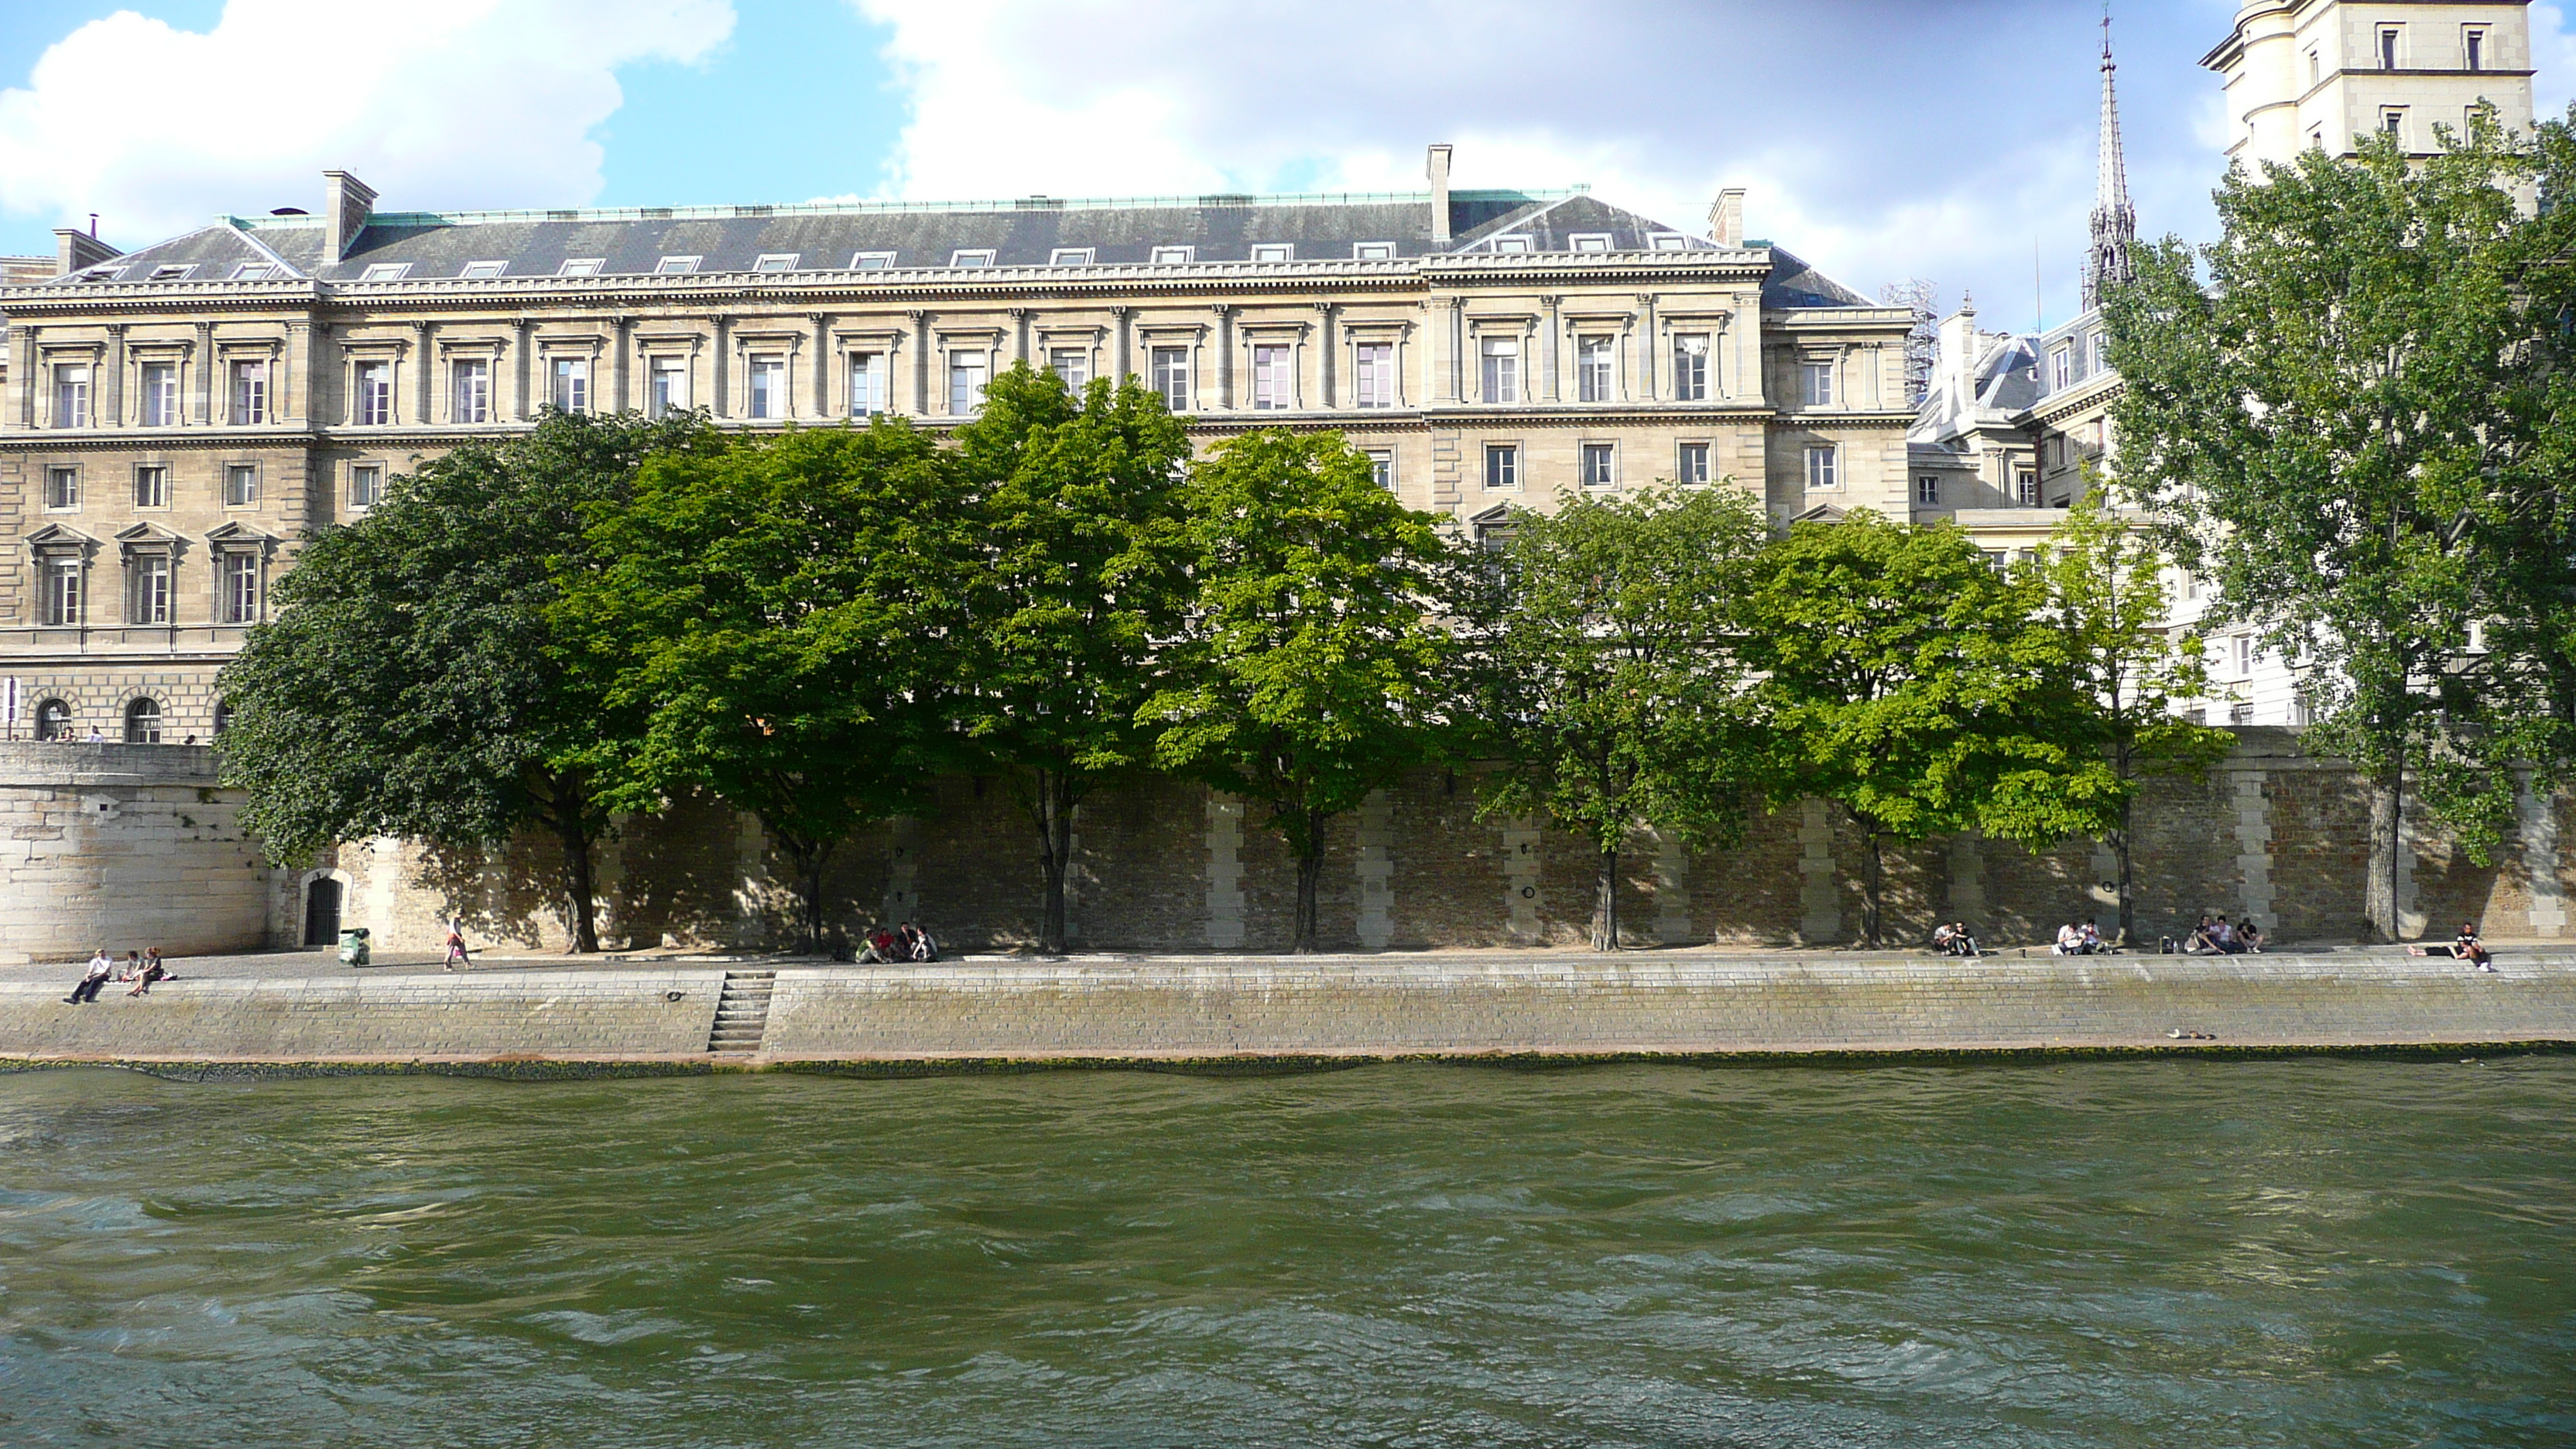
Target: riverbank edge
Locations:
point(572, 1069)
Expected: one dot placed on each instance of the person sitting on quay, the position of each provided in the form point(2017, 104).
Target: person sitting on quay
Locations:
point(2249, 937)
point(2070, 940)
point(2204, 940)
point(101, 966)
point(2469, 948)
point(1952, 939)
point(147, 973)
point(882, 948)
point(2094, 945)
point(917, 945)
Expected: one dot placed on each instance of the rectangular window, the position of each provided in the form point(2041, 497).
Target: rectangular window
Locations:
point(250, 392)
point(1690, 367)
point(484, 269)
point(674, 266)
point(668, 391)
point(1373, 251)
point(71, 395)
point(965, 382)
point(2244, 656)
point(1819, 378)
point(871, 261)
point(62, 602)
point(867, 383)
point(147, 585)
point(62, 488)
point(1589, 241)
point(1927, 491)
point(1668, 241)
point(1069, 257)
point(2473, 48)
point(151, 486)
point(1502, 373)
point(1373, 366)
point(776, 262)
point(2026, 487)
point(1382, 467)
point(241, 484)
point(385, 272)
point(173, 272)
point(1824, 467)
point(2392, 119)
point(1690, 465)
point(581, 266)
point(1502, 466)
point(469, 399)
point(2061, 368)
point(366, 484)
point(978, 257)
point(375, 382)
point(1274, 377)
point(1511, 243)
point(240, 581)
point(1274, 252)
point(769, 387)
point(570, 390)
point(1598, 466)
point(1172, 256)
point(160, 394)
point(2388, 38)
point(253, 271)
point(2316, 67)
point(1073, 365)
point(1172, 377)
point(1594, 374)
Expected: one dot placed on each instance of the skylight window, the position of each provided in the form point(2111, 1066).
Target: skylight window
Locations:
point(674, 266)
point(1373, 251)
point(1511, 243)
point(1173, 256)
point(1274, 252)
point(973, 257)
point(581, 266)
point(1669, 241)
point(101, 274)
point(174, 272)
point(871, 261)
point(1589, 241)
point(253, 271)
point(1070, 257)
point(776, 262)
point(484, 269)
point(385, 272)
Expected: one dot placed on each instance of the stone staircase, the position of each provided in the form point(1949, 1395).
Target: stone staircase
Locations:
point(742, 1013)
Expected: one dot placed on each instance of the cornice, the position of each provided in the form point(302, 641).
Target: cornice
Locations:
point(2096, 390)
point(153, 440)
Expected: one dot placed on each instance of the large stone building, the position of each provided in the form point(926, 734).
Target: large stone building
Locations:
point(177, 418)
point(2305, 74)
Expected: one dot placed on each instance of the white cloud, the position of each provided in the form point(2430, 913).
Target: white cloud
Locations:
point(2553, 54)
point(481, 103)
point(1880, 139)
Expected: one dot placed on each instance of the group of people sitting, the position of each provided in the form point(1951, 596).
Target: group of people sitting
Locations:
point(137, 972)
point(1951, 938)
point(2464, 947)
point(906, 942)
point(2214, 937)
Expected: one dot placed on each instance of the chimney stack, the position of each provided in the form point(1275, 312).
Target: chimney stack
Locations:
point(1440, 196)
point(76, 250)
point(1726, 218)
point(347, 202)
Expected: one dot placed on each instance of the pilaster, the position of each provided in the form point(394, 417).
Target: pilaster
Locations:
point(1224, 872)
point(1820, 900)
point(1376, 870)
point(1521, 862)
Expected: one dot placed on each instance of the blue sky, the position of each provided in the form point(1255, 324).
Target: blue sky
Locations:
point(1880, 139)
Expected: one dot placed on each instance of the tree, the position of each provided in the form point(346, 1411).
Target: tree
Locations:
point(1077, 500)
point(2329, 424)
point(414, 682)
point(787, 613)
point(1607, 672)
point(2104, 593)
point(1906, 680)
point(1311, 671)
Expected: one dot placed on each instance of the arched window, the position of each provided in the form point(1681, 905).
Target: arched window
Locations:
point(143, 722)
point(53, 720)
point(223, 715)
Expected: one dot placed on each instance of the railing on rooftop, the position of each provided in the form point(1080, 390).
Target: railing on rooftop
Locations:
point(897, 208)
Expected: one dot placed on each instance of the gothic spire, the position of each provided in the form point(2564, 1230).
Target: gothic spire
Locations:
point(2115, 222)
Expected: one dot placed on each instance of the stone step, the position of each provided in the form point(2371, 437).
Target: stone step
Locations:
point(742, 1012)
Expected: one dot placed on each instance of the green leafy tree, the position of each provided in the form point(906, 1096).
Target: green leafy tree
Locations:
point(2106, 597)
point(1311, 671)
point(787, 613)
point(1607, 673)
point(1077, 502)
point(414, 682)
point(1907, 681)
point(2337, 423)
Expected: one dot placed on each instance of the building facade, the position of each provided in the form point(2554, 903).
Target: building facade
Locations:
point(177, 418)
point(2314, 74)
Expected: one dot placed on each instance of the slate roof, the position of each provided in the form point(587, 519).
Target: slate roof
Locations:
point(1032, 232)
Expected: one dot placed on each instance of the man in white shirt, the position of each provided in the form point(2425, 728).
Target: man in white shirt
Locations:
point(2070, 941)
point(101, 966)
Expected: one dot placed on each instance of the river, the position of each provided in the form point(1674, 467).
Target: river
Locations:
point(2309, 1252)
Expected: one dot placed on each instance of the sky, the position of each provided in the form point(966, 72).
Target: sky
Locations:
point(1950, 140)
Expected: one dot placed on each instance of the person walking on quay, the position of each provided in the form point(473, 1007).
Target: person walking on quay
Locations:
point(456, 945)
point(101, 966)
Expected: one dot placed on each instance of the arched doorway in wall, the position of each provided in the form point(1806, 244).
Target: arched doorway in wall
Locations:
point(53, 720)
point(143, 722)
point(321, 911)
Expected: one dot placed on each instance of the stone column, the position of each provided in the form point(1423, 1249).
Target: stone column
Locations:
point(428, 359)
point(822, 367)
point(2538, 828)
point(1672, 890)
point(2254, 850)
point(1646, 345)
point(625, 330)
point(1324, 357)
point(1376, 870)
point(1820, 900)
point(1224, 872)
point(1019, 335)
point(1224, 356)
point(22, 370)
point(1521, 861)
point(111, 388)
point(719, 370)
point(206, 365)
point(519, 370)
point(920, 363)
point(1550, 388)
point(1119, 321)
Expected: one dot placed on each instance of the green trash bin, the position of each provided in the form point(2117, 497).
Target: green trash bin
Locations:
point(353, 946)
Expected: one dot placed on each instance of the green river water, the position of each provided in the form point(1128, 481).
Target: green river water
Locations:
point(2314, 1252)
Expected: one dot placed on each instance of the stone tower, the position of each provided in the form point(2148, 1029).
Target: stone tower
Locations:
point(2115, 222)
point(2317, 73)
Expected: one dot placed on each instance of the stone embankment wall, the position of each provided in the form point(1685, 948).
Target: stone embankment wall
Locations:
point(1163, 866)
point(1696, 1003)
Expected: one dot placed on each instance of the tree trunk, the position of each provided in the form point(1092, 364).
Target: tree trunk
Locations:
point(2128, 885)
point(1310, 875)
point(1869, 902)
point(1051, 802)
point(810, 859)
point(2387, 817)
point(580, 897)
point(1605, 905)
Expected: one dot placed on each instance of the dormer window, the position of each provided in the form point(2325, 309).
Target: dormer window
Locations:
point(581, 266)
point(176, 272)
point(1589, 241)
point(1511, 243)
point(253, 271)
point(1373, 251)
point(1174, 256)
point(675, 266)
point(101, 274)
point(1668, 241)
point(776, 262)
point(871, 261)
point(1069, 257)
point(971, 257)
point(385, 272)
point(1274, 252)
point(484, 269)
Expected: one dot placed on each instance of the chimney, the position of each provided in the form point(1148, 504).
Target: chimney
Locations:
point(1726, 218)
point(76, 250)
point(1440, 196)
point(347, 202)
point(1960, 343)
